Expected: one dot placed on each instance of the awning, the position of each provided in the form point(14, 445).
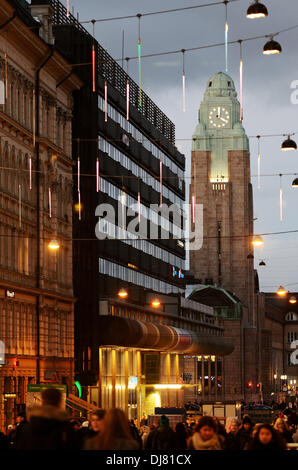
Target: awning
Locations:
point(117, 331)
point(214, 296)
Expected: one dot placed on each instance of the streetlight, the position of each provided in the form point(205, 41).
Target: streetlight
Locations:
point(53, 245)
point(295, 183)
point(281, 291)
point(292, 300)
point(288, 144)
point(257, 240)
point(155, 303)
point(262, 263)
point(256, 10)
point(272, 47)
point(122, 293)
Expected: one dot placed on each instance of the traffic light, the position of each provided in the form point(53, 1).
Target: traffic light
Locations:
point(258, 387)
point(249, 385)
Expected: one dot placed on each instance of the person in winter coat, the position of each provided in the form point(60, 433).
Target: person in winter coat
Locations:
point(48, 427)
point(116, 434)
point(232, 427)
point(281, 426)
point(206, 437)
point(161, 438)
point(4, 442)
point(243, 436)
point(96, 426)
point(135, 433)
point(180, 437)
point(267, 438)
point(21, 427)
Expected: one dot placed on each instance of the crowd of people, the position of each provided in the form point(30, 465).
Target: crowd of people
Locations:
point(47, 427)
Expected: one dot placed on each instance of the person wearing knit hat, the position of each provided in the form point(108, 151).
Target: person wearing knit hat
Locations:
point(161, 438)
point(206, 437)
point(243, 435)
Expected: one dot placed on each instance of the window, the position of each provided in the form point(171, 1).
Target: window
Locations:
point(229, 84)
point(292, 336)
point(210, 84)
point(291, 316)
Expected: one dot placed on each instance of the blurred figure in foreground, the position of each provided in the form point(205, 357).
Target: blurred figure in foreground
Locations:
point(206, 437)
point(267, 438)
point(161, 438)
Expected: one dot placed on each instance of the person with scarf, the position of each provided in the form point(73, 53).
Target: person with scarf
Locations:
point(205, 436)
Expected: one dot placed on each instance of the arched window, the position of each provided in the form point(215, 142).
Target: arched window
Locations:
point(291, 316)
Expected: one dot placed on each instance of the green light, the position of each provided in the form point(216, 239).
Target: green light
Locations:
point(140, 91)
point(78, 385)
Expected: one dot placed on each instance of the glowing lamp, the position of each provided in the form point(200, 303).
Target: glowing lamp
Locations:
point(122, 294)
point(257, 241)
point(288, 144)
point(155, 303)
point(256, 10)
point(281, 291)
point(272, 47)
point(53, 245)
point(295, 183)
point(292, 300)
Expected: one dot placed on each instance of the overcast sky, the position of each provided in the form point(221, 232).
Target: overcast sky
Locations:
point(267, 95)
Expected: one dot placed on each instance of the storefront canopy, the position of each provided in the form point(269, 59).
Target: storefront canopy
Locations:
point(117, 331)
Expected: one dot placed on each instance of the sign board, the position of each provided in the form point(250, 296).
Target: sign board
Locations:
point(34, 393)
point(2, 353)
point(10, 293)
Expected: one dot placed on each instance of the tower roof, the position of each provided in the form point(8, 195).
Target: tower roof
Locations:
point(220, 84)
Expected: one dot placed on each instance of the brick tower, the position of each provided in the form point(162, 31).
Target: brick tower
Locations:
point(220, 180)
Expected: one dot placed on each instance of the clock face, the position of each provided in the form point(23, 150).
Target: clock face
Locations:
point(219, 117)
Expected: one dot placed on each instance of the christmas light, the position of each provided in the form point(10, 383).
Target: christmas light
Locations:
point(50, 203)
point(80, 208)
point(139, 59)
point(79, 173)
point(241, 82)
point(30, 173)
point(97, 175)
point(106, 101)
point(183, 83)
point(160, 180)
point(226, 35)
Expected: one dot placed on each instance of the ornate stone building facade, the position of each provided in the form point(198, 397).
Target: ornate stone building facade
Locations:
point(36, 291)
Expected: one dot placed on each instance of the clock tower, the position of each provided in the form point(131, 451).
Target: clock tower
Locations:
point(220, 181)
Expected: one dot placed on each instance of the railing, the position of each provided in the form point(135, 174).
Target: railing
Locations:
point(113, 73)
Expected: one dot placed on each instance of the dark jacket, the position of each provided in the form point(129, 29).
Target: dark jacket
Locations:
point(48, 430)
point(161, 438)
point(273, 445)
point(17, 433)
point(243, 437)
point(4, 442)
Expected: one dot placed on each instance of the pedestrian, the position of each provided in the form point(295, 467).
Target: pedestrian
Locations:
point(221, 430)
point(21, 426)
point(180, 437)
point(243, 435)
point(232, 427)
point(48, 427)
point(146, 433)
point(267, 438)
point(96, 427)
point(206, 437)
point(4, 442)
point(281, 426)
point(161, 438)
point(135, 433)
point(116, 434)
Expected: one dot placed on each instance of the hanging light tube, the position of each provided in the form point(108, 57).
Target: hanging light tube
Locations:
point(193, 209)
point(6, 76)
point(160, 180)
point(106, 101)
point(79, 200)
point(20, 205)
point(259, 163)
point(33, 119)
point(139, 200)
point(67, 8)
point(241, 81)
point(79, 174)
point(280, 199)
point(139, 59)
point(127, 99)
point(183, 83)
point(226, 35)
point(30, 173)
point(93, 59)
point(97, 175)
point(50, 203)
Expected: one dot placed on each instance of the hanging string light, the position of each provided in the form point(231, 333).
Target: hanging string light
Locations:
point(288, 144)
point(93, 59)
point(127, 91)
point(256, 10)
point(183, 83)
point(139, 200)
point(280, 198)
point(272, 47)
point(50, 203)
point(30, 172)
point(241, 81)
point(6, 76)
point(160, 180)
point(97, 174)
point(259, 162)
point(106, 100)
point(139, 58)
point(226, 34)
point(20, 205)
